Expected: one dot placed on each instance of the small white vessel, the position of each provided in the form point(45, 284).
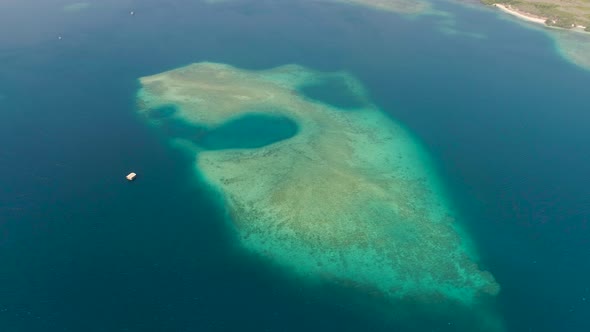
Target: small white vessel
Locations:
point(131, 176)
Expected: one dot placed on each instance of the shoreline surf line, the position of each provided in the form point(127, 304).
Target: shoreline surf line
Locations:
point(533, 18)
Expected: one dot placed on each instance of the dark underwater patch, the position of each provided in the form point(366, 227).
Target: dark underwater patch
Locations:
point(334, 92)
point(250, 131)
point(161, 112)
point(247, 132)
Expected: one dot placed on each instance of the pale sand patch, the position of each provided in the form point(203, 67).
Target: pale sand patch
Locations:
point(212, 2)
point(575, 47)
point(75, 7)
point(397, 6)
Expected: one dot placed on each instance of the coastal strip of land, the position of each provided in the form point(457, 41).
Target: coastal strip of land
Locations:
point(574, 14)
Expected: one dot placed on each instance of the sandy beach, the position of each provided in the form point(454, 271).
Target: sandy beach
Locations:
point(521, 15)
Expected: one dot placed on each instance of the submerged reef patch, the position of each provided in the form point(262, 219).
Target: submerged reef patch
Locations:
point(397, 6)
point(405, 7)
point(75, 7)
point(574, 46)
point(349, 197)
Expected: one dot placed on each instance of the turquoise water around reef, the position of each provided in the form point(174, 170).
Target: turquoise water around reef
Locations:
point(503, 116)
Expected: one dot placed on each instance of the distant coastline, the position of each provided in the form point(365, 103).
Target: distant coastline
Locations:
point(529, 17)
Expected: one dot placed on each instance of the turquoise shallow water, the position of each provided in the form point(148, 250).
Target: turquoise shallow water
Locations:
point(82, 249)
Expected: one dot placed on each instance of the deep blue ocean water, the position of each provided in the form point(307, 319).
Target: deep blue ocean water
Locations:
point(81, 249)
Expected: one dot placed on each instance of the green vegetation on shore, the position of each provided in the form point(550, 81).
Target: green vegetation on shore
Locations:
point(562, 14)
